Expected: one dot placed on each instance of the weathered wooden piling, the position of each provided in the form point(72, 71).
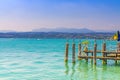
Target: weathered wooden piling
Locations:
point(86, 58)
point(66, 52)
point(94, 53)
point(116, 60)
point(118, 49)
point(92, 56)
point(79, 50)
point(103, 53)
point(118, 46)
point(73, 52)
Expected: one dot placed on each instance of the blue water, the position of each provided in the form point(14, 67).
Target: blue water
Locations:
point(43, 59)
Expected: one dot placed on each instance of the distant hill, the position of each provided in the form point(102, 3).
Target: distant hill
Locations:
point(56, 35)
point(67, 30)
point(6, 31)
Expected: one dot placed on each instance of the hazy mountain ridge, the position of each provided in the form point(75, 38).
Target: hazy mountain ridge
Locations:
point(67, 30)
point(55, 35)
point(6, 31)
point(62, 30)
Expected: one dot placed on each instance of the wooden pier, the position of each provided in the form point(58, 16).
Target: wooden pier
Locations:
point(92, 54)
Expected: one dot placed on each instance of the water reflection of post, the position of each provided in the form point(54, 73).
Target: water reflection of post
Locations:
point(83, 71)
point(79, 64)
point(104, 68)
point(95, 72)
point(66, 68)
point(73, 71)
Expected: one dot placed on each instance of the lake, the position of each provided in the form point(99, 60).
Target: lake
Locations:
point(43, 59)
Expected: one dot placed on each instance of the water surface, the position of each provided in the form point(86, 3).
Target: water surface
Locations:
point(43, 59)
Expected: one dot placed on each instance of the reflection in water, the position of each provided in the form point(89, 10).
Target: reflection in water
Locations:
point(67, 68)
point(88, 71)
point(79, 63)
point(95, 72)
point(82, 70)
point(104, 69)
point(70, 72)
point(73, 71)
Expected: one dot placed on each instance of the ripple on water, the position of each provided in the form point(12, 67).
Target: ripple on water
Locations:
point(39, 62)
point(14, 64)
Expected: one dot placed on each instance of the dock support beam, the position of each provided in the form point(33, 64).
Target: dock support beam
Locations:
point(87, 58)
point(118, 46)
point(94, 53)
point(104, 54)
point(73, 52)
point(92, 56)
point(79, 50)
point(66, 52)
point(118, 49)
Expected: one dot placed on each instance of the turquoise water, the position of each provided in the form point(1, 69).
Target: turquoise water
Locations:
point(43, 59)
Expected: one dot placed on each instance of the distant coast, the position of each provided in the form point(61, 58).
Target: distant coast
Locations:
point(59, 35)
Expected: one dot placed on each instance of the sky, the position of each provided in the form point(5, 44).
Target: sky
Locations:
point(26, 15)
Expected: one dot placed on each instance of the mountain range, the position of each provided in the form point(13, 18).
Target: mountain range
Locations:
point(63, 33)
point(6, 31)
point(64, 30)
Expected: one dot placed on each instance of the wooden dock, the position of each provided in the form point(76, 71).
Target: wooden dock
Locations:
point(92, 54)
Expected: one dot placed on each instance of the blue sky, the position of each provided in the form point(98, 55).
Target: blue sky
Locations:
point(25, 15)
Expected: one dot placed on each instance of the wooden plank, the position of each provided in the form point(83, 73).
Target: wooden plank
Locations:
point(99, 57)
point(104, 52)
point(86, 57)
point(91, 51)
point(111, 52)
point(113, 55)
point(112, 58)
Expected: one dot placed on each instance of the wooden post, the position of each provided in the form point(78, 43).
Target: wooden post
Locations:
point(91, 58)
point(116, 57)
point(79, 51)
point(118, 49)
point(94, 53)
point(118, 46)
point(86, 58)
point(104, 54)
point(66, 52)
point(73, 52)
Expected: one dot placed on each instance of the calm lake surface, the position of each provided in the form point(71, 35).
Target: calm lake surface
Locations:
point(43, 59)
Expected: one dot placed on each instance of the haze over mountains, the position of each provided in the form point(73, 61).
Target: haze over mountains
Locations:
point(57, 33)
point(71, 30)
point(67, 30)
point(6, 31)
point(63, 30)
